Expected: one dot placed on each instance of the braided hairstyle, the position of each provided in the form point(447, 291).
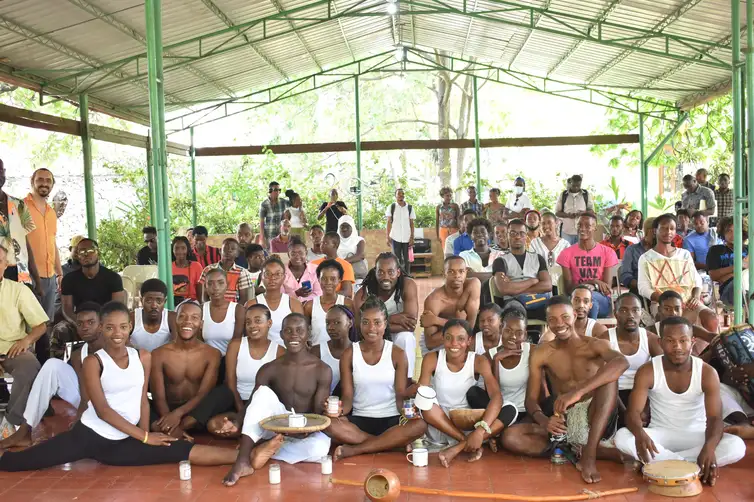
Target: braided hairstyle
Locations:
point(371, 284)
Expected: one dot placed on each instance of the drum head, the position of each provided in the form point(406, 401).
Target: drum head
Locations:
point(671, 469)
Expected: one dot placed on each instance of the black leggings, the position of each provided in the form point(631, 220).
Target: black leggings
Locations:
point(478, 399)
point(81, 442)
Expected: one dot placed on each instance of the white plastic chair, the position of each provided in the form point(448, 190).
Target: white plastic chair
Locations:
point(137, 274)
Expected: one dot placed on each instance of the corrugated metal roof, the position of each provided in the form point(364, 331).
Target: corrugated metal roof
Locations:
point(242, 46)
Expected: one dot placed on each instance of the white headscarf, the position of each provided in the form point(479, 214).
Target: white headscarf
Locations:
point(348, 245)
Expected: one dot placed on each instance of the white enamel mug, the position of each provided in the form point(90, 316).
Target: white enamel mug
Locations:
point(296, 420)
point(425, 397)
point(419, 457)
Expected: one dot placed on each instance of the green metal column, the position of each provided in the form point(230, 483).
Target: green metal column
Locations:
point(643, 169)
point(150, 182)
point(750, 122)
point(476, 140)
point(359, 213)
point(738, 175)
point(153, 9)
point(86, 147)
point(192, 152)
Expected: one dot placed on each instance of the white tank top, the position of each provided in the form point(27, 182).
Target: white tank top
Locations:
point(277, 316)
point(219, 334)
point(513, 381)
point(141, 339)
point(247, 367)
point(479, 344)
point(84, 352)
point(683, 412)
point(590, 324)
point(374, 386)
point(123, 389)
point(296, 221)
point(319, 323)
point(626, 380)
point(326, 356)
point(451, 387)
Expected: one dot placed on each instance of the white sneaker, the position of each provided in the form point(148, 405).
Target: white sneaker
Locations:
point(6, 429)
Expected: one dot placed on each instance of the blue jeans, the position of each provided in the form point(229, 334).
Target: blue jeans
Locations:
point(726, 294)
point(571, 238)
point(600, 306)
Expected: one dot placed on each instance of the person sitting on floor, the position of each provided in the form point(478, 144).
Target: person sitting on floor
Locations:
point(295, 381)
point(280, 304)
point(222, 319)
point(330, 245)
point(684, 398)
point(183, 373)
point(453, 373)
point(664, 268)
point(373, 382)
point(583, 373)
point(59, 378)
point(341, 333)
point(479, 259)
point(632, 341)
point(330, 273)
point(581, 300)
point(153, 324)
point(114, 429)
point(510, 364)
point(244, 359)
point(490, 329)
point(457, 298)
point(399, 293)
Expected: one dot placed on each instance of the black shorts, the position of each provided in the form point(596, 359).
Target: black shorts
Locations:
point(374, 426)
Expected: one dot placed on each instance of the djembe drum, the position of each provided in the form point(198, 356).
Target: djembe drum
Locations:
point(733, 348)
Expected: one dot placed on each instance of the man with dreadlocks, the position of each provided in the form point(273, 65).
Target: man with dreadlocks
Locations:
point(399, 294)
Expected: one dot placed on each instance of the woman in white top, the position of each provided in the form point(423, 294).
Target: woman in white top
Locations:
point(329, 273)
point(453, 372)
point(518, 203)
point(280, 304)
point(296, 215)
point(491, 329)
point(114, 428)
point(373, 381)
point(352, 247)
point(549, 246)
point(223, 320)
point(341, 331)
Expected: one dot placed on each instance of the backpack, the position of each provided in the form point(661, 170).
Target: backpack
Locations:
point(564, 196)
point(392, 211)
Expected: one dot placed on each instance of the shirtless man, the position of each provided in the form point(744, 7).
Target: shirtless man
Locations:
point(458, 298)
point(583, 373)
point(581, 299)
point(684, 396)
point(61, 379)
point(183, 372)
point(400, 295)
point(296, 381)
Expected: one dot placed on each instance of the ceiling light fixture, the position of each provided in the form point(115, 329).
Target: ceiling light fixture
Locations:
point(392, 7)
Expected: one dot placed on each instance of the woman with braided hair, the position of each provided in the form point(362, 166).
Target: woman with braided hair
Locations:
point(341, 331)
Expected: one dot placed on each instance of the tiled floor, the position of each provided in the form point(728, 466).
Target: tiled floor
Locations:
point(495, 473)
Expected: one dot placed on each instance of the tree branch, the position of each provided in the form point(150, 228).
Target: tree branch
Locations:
point(420, 121)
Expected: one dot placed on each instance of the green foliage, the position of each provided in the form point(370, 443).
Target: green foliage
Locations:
point(662, 204)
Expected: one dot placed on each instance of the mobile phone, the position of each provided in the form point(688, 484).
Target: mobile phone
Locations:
point(306, 284)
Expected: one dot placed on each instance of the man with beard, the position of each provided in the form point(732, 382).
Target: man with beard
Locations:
point(581, 300)
point(298, 380)
point(244, 236)
point(153, 325)
point(183, 373)
point(240, 282)
point(93, 282)
point(43, 245)
point(635, 343)
point(583, 373)
point(666, 268)
point(400, 295)
point(148, 254)
point(457, 298)
point(61, 379)
point(684, 398)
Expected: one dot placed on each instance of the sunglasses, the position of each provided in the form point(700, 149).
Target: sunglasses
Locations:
point(87, 252)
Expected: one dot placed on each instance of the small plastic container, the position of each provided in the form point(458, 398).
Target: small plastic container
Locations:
point(184, 470)
point(326, 464)
point(274, 474)
point(333, 405)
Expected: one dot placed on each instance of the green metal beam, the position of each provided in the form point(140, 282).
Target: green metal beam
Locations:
point(738, 171)
point(359, 201)
point(194, 209)
point(86, 148)
point(681, 120)
point(749, 79)
point(478, 157)
point(643, 169)
point(150, 183)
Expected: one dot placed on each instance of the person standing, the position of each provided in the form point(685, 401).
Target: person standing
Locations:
point(205, 254)
point(333, 210)
point(148, 254)
point(724, 196)
point(692, 197)
point(44, 247)
point(400, 228)
point(572, 203)
point(296, 215)
point(701, 178)
point(447, 215)
point(473, 203)
point(549, 246)
point(494, 210)
point(271, 214)
point(518, 202)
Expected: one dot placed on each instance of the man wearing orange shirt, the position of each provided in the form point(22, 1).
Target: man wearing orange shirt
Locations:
point(330, 247)
point(615, 240)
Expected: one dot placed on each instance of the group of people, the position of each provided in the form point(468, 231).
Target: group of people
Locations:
point(260, 333)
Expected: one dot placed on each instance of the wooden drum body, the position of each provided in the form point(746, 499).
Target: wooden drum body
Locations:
point(673, 478)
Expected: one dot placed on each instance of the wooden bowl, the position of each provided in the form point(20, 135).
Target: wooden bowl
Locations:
point(382, 485)
point(465, 419)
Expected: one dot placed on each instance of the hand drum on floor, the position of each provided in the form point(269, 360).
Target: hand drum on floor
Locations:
point(673, 478)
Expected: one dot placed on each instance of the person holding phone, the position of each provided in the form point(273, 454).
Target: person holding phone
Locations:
point(300, 276)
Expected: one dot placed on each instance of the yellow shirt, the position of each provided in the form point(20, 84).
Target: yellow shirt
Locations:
point(19, 310)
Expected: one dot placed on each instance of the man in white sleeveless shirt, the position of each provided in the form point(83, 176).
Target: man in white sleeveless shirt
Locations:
point(153, 325)
point(59, 378)
point(581, 299)
point(684, 398)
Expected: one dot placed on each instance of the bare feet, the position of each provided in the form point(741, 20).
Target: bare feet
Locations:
point(475, 455)
point(588, 468)
point(239, 470)
point(228, 428)
point(493, 445)
point(341, 452)
point(20, 438)
point(744, 431)
point(262, 453)
point(451, 452)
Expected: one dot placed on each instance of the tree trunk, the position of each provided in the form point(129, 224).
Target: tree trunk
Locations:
point(442, 92)
point(464, 115)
